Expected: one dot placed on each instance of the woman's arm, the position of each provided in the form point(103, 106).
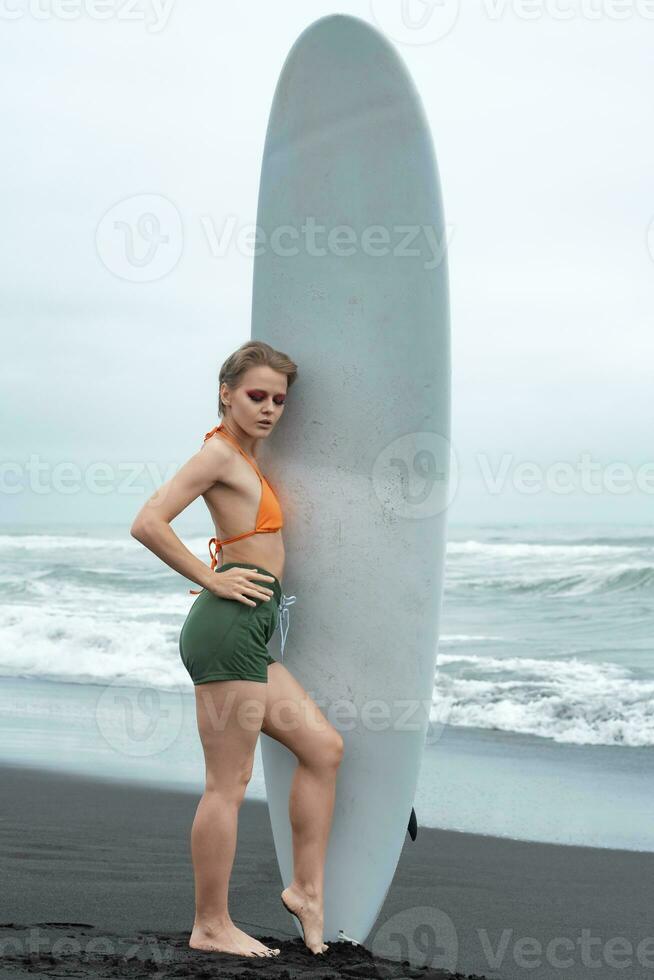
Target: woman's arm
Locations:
point(151, 525)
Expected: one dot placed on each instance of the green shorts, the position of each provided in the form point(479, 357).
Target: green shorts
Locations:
point(225, 639)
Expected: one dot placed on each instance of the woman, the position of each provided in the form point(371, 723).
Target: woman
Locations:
point(223, 647)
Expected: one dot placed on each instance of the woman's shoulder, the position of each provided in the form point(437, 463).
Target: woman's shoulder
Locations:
point(217, 445)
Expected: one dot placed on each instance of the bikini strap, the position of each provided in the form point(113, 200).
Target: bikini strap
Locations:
point(220, 428)
point(214, 541)
point(214, 559)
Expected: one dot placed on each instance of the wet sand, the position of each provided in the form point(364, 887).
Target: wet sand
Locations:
point(97, 881)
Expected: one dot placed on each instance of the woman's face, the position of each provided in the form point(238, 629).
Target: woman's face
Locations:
point(259, 397)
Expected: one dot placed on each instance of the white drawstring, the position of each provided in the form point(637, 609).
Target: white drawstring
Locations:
point(285, 602)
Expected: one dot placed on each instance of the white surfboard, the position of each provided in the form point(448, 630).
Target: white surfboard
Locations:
point(361, 456)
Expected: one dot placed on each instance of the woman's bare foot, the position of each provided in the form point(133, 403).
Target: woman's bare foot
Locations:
point(309, 910)
point(228, 939)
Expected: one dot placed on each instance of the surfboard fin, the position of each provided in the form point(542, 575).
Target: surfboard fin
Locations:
point(413, 825)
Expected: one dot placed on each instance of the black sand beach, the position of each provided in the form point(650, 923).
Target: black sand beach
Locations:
point(97, 882)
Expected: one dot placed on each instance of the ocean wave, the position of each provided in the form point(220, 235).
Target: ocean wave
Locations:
point(446, 638)
point(635, 541)
point(65, 542)
point(525, 549)
point(72, 542)
point(94, 644)
point(568, 701)
point(587, 581)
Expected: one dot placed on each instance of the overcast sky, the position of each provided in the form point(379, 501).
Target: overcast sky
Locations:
point(543, 131)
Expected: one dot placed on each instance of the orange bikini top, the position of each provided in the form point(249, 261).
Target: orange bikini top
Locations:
point(269, 515)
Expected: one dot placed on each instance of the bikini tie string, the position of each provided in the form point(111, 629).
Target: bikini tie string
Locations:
point(285, 602)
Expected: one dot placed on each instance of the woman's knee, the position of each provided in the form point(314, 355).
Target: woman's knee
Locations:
point(338, 747)
point(230, 782)
point(325, 752)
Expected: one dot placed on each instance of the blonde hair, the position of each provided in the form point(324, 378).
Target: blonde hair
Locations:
point(251, 354)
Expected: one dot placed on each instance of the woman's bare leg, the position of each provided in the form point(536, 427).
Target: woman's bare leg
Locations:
point(229, 715)
point(294, 719)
